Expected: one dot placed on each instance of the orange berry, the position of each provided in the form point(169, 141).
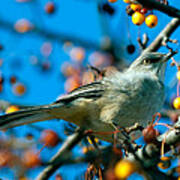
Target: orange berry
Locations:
point(49, 138)
point(151, 20)
point(176, 103)
point(11, 109)
point(68, 69)
point(135, 7)
point(23, 25)
point(124, 168)
point(72, 83)
point(49, 7)
point(77, 54)
point(58, 177)
point(19, 89)
point(138, 18)
point(178, 75)
point(127, 1)
point(165, 162)
point(112, 1)
point(31, 159)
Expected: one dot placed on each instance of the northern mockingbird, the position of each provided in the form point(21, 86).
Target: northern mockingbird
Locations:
point(121, 99)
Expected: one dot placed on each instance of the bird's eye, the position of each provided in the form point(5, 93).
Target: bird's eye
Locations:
point(146, 61)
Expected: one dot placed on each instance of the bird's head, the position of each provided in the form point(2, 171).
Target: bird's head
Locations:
point(153, 62)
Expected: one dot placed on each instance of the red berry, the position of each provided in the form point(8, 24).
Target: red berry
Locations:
point(50, 7)
point(49, 138)
point(143, 11)
point(150, 134)
point(13, 79)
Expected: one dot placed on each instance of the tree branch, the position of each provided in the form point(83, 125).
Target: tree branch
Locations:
point(59, 158)
point(169, 10)
point(165, 33)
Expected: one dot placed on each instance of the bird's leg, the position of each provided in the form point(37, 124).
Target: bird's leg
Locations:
point(135, 127)
point(115, 136)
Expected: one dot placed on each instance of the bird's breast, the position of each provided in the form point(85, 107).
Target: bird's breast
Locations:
point(142, 101)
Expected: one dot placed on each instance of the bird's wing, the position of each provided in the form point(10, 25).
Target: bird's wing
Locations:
point(93, 90)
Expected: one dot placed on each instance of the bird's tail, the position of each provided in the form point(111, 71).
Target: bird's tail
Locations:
point(24, 116)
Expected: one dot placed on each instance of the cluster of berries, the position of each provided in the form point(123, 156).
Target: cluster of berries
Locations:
point(141, 14)
point(18, 88)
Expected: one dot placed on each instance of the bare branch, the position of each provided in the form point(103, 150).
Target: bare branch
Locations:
point(166, 32)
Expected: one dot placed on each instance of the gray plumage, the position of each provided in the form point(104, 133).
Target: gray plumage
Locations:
point(120, 99)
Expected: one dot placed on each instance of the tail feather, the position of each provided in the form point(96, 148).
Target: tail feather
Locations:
point(26, 116)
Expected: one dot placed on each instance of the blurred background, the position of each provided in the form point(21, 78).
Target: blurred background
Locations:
point(45, 49)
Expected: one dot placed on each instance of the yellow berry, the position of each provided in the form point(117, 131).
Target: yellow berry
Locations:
point(127, 1)
point(112, 1)
point(11, 109)
point(124, 168)
point(176, 103)
point(151, 20)
point(135, 7)
point(138, 18)
point(178, 75)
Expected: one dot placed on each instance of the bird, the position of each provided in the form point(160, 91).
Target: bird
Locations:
point(120, 99)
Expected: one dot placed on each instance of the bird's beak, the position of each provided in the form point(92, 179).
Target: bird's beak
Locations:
point(168, 56)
